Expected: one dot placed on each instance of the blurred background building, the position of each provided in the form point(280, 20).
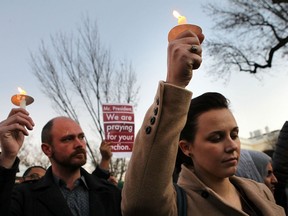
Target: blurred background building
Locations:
point(260, 141)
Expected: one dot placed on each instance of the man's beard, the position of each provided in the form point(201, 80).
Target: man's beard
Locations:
point(69, 161)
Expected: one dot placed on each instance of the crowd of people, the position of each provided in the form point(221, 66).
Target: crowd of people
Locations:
point(192, 143)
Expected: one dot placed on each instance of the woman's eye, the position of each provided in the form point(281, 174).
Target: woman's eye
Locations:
point(234, 136)
point(215, 138)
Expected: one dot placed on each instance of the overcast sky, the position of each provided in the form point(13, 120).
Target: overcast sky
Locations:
point(136, 30)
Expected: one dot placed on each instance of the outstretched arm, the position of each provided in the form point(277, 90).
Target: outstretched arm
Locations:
point(12, 132)
point(148, 187)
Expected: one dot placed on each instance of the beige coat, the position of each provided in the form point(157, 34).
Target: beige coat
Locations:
point(148, 189)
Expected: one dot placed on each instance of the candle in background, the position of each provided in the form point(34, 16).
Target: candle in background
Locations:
point(22, 99)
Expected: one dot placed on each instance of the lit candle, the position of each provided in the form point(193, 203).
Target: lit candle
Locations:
point(183, 26)
point(22, 99)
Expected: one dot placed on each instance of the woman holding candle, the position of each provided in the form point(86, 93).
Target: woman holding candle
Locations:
point(209, 143)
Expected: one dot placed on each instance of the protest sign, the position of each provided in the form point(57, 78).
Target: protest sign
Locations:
point(119, 128)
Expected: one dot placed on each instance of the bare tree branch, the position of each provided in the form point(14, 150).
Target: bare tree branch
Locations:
point(248, 35)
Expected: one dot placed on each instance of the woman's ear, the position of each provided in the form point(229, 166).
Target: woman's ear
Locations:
point(46, 148)
point(185, 147)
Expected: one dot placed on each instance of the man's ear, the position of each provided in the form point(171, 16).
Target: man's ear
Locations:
point(185, 147)
point(46, 148)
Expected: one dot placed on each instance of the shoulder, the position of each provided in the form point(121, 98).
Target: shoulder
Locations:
point(99, 184)
point(101, 173)
point(246, 182)
point(33, 185)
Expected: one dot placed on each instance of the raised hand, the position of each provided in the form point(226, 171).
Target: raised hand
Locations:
point(12, 132)
point(184, 55)
point(106, 154)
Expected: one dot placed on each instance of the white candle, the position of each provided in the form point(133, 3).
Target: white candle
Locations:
point(23, 102)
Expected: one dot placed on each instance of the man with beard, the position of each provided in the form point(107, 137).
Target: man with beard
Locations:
point(66, 188)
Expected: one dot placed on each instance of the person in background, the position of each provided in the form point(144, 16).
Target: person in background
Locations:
point(264, 165)
point(66, 188)
point(33, 173)
point(246, 167)
point(257, 165)
point(280, 166)
point(207, 133)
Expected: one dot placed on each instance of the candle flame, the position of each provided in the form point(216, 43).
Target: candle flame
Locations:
point(21, 91)
point(176, 14)
point(181, 19)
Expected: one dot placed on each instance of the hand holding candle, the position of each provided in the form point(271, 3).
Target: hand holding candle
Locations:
point(22, 99)
point(183, 26)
